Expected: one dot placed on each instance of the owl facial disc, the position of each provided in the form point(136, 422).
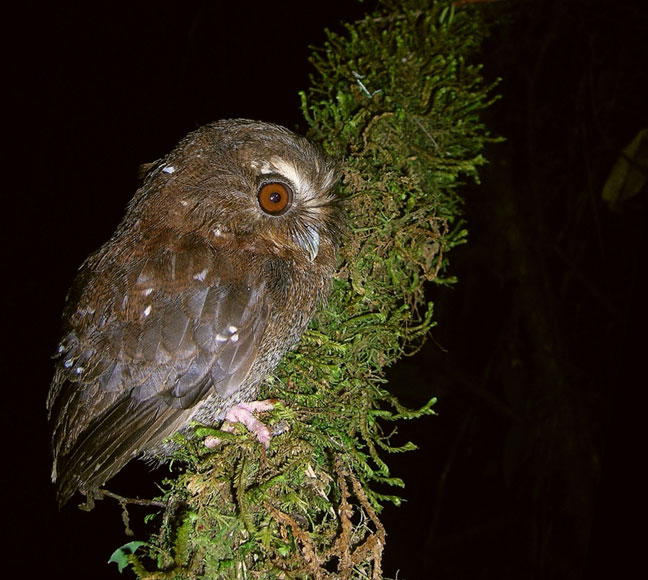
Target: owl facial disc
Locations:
point(308, 239)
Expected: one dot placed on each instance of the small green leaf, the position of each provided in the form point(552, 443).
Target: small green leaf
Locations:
point(120, 555)
point(284, 550)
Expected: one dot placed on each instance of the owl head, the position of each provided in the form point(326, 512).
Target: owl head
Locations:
point(256, 183)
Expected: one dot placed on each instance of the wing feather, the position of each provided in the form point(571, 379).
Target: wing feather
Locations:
point(141, 355)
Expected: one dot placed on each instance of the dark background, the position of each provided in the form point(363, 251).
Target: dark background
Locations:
point(537, 357)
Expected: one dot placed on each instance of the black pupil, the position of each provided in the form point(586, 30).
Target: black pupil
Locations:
point(275, 197)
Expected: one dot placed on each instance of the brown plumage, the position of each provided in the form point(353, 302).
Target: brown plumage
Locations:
point(215, 271)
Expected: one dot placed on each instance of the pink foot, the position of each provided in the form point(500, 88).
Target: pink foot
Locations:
point(244, 413)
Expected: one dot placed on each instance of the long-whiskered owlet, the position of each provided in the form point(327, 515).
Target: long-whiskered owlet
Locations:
point(217, 268)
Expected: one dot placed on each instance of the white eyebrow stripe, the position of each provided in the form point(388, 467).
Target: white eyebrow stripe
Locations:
point(290, 172)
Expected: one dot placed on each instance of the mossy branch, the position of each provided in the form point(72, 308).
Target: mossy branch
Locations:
point(397, 98)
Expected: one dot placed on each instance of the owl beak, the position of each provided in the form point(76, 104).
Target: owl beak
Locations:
point(308, 240)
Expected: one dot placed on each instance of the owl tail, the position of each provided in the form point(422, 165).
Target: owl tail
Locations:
point(110, 442)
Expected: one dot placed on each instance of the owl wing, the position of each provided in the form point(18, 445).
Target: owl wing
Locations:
point(148, 339)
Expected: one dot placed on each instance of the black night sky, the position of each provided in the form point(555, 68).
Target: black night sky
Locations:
point(525, 472)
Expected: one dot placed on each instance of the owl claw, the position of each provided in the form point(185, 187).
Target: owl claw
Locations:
point(244, 413)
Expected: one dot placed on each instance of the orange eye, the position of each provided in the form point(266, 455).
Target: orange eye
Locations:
point(275, 198)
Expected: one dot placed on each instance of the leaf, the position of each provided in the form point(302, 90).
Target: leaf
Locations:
point(629, 174)
point(120, 555)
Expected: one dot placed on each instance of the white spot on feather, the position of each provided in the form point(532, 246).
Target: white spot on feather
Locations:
point(169, 169)
point(86, 311)
point(147, 310)
point(201, 275)
point(261, 166)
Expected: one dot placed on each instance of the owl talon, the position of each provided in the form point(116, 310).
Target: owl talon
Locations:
point(244, 413)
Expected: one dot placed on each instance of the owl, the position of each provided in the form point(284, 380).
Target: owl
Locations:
point(223, 256)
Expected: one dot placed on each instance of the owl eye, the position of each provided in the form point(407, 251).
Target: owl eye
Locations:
point(275, 198)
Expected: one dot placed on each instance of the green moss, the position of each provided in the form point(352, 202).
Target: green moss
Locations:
point(397, 98)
